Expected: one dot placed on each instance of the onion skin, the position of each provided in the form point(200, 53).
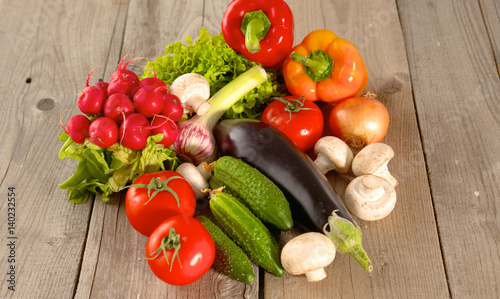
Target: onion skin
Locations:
point(359, 121)
point(195, 141)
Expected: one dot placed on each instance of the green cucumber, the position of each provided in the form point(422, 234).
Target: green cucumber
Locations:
point(258, 192)
point(214, 183)
point(248, 232)
point(230, 260)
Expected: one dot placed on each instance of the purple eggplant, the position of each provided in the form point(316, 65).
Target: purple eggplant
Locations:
point(313, 201)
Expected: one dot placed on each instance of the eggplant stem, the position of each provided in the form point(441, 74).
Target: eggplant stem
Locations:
point(359, 254)
point(347, 239)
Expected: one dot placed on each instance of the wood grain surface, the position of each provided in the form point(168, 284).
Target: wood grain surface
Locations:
point(457, 107)
point(434, 64)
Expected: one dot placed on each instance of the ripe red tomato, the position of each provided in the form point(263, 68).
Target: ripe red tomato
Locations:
point(359, 121)
point(146, 212)
point(299, 119)
point(192, 250)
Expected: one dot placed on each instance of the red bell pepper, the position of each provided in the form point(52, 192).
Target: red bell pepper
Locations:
point(261, 30)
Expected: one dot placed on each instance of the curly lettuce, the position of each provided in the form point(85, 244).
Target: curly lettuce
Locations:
point(211, 57)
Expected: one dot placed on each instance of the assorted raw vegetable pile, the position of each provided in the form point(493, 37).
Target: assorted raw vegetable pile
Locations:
point(251, 123)
point(210, 56)
point(126, 132)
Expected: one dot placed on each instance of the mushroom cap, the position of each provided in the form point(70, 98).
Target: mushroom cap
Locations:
point(195, 178)
point(190, 85)
point(371, 158)
point(307, 252)
point(336, 151)
point(370, 197)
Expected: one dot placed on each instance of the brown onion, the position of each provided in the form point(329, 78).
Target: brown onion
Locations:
point(359, 121)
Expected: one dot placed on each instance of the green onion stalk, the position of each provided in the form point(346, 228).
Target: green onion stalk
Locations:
point(195, 141)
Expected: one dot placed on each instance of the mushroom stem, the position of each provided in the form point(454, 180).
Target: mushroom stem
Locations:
point(371, 187)
point(373, 159)
point(206, 169)
point(197, 177)
point(333, 154)
point(370, 197)
point(198, 104)
point(383, 172)
point(324, 164)
point(316, 275)
point(193, 90)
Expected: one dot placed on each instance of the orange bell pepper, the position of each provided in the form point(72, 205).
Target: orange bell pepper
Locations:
point(325, 68)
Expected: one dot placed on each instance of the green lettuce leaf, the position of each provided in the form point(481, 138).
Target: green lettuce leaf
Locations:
point(81, 174)
point(211, 57)
point(105, 171)
point(70, 148)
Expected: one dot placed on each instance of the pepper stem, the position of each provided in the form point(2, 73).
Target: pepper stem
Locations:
point(347, 239)
point(254, 26)
point(317, 65)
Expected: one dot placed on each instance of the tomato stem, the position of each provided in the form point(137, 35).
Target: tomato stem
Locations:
point(172, 241)
point(294, 106)
point(158, 186)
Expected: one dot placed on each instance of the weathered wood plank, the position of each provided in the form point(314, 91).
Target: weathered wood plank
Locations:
point(490, 10)
point(47, 48)
point(404, 247)
point(58, 43)
point(456, 86)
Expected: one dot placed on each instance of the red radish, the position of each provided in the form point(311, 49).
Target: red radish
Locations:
point(91, 99)
point(172, 107)
point(78, 128)
point(135, 131)
point(103, 132)
point(167, 127)
point(152, 81)
point(103, 86)
point(117, 107)
point(123, 80)
point(148, 101)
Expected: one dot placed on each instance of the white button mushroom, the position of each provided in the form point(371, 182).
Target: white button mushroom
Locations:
point(197, 176)
point(308, 254)
point(373, 159)
point(333, 154)
point(370, 197)
point(193, 90)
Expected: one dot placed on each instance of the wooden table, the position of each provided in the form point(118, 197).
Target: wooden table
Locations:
point(432, 63)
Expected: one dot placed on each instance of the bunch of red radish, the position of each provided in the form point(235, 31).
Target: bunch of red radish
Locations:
point(126, 109)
